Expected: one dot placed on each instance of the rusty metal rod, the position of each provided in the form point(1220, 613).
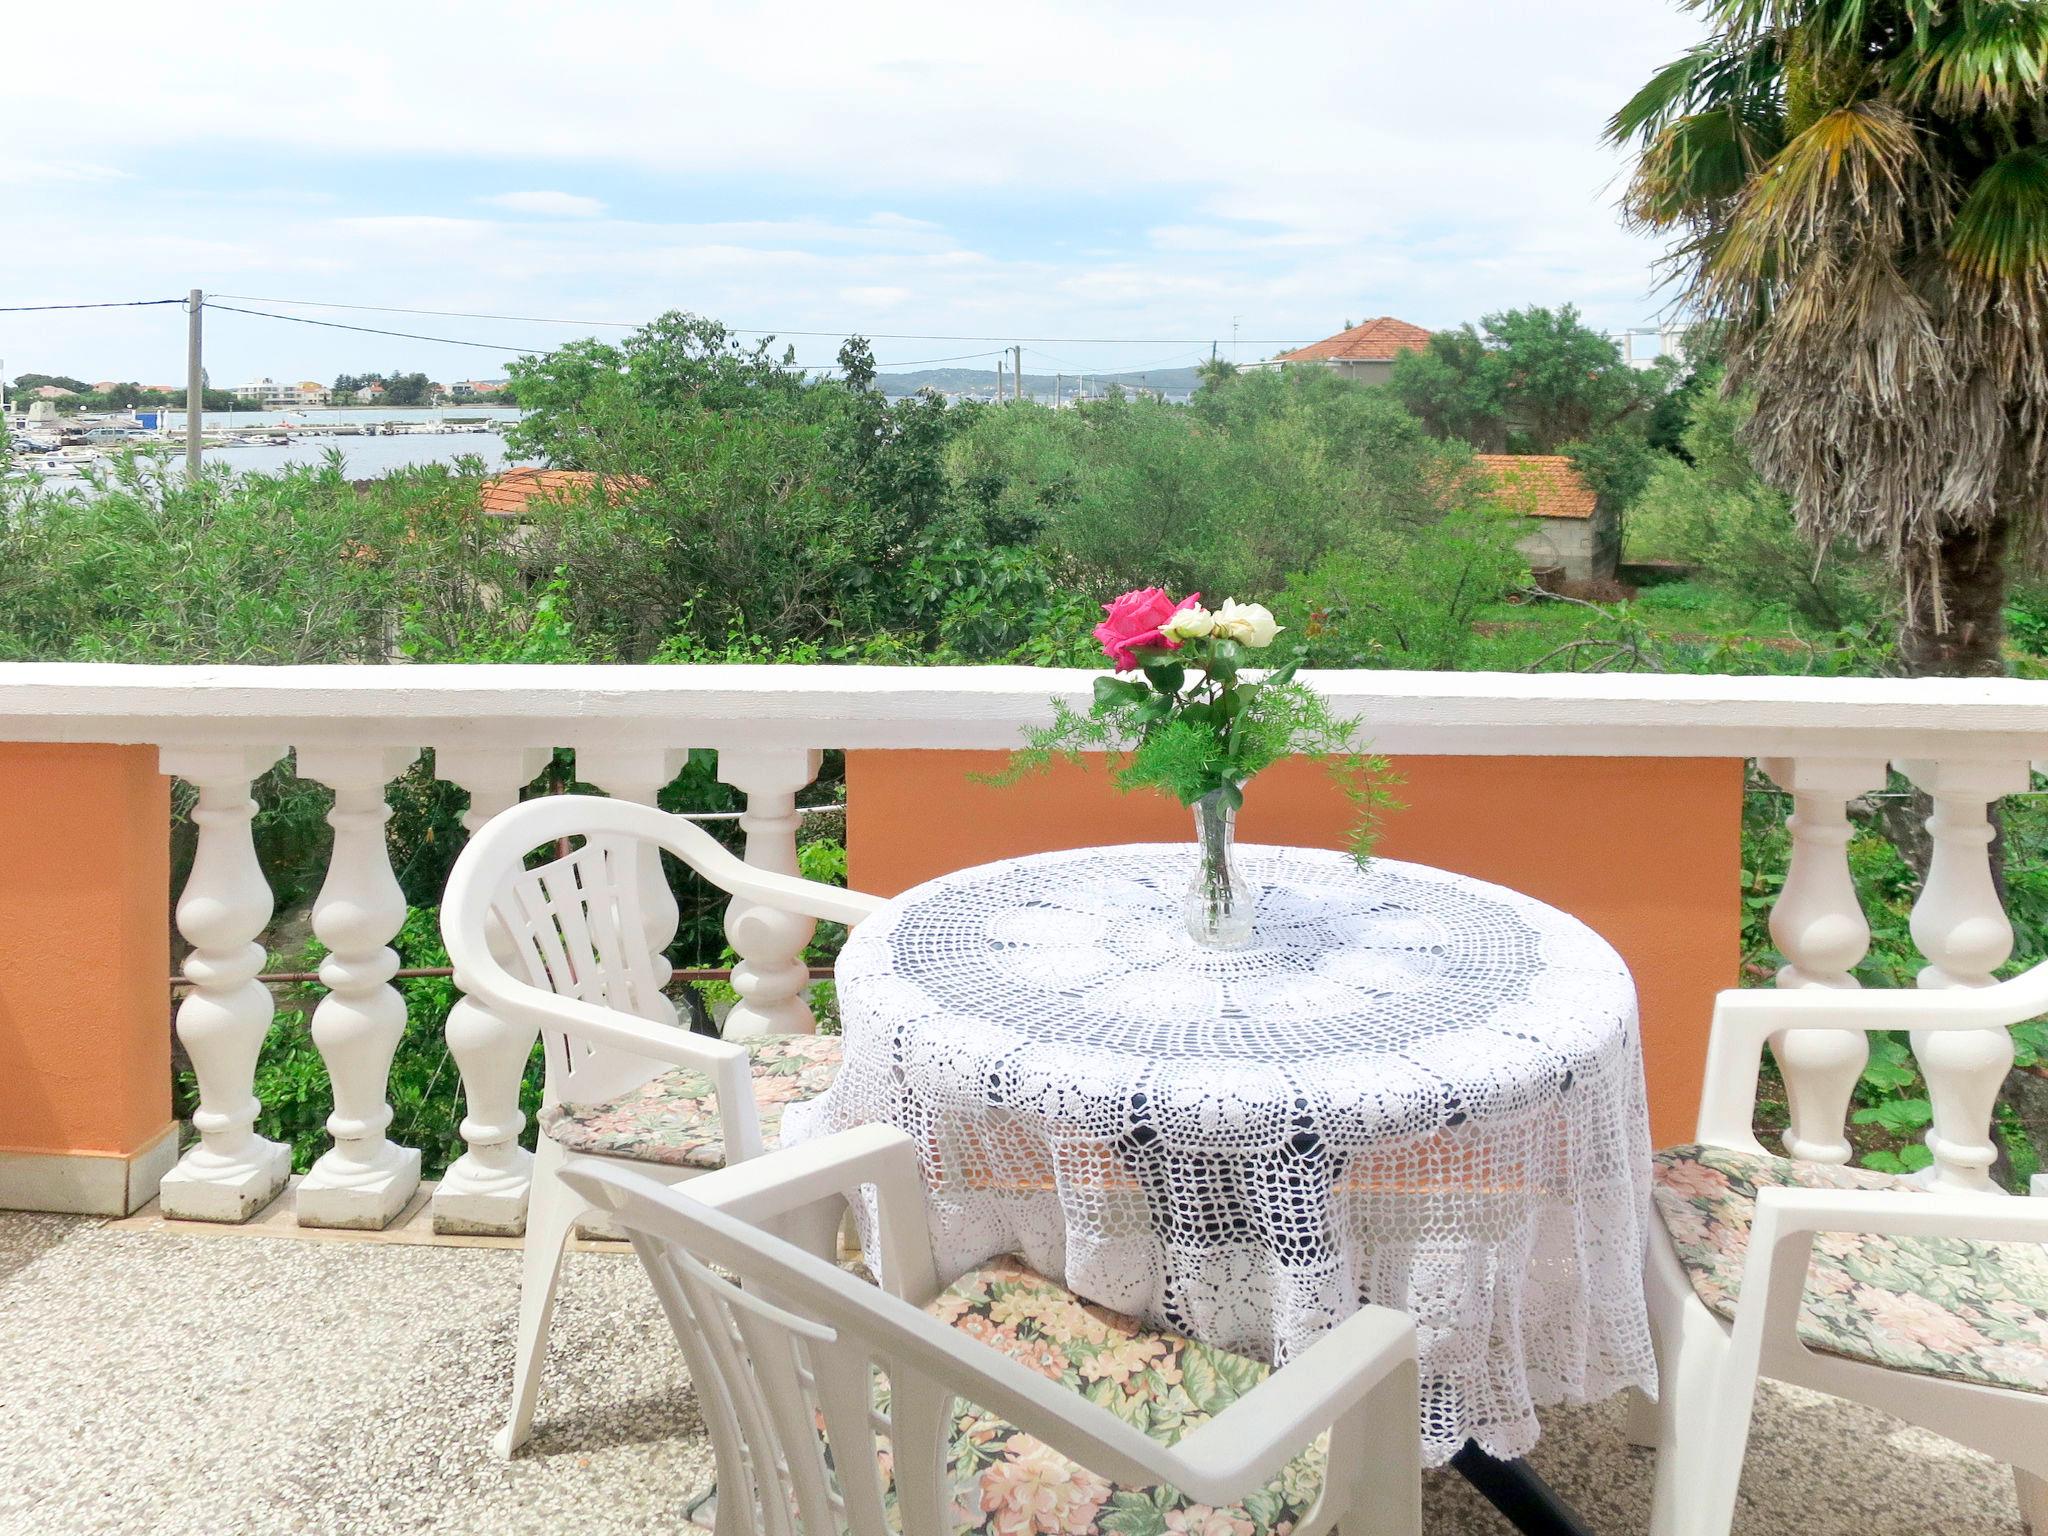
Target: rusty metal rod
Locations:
point(711, 973)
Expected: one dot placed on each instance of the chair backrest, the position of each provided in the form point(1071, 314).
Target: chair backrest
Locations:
point(578, 925)
point(787, 1353)
point(1959, 1038)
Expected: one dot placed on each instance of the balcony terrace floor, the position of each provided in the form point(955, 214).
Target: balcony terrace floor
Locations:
point(152, 1381)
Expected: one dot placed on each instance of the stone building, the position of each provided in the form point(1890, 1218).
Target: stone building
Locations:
point(1574, 535)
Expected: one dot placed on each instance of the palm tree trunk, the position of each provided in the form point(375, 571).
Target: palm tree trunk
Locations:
point(1955, 620)
point(1970, 571)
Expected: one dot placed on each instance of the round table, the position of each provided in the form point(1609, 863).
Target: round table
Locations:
point(1413, 1088)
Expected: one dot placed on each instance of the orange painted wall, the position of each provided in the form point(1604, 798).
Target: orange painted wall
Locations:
point(85, 1039)
point(1644, 850)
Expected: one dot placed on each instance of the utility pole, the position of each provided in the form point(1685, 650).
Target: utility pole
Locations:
point(195, 383)
point(1057, 380)
point(1017, 375)
point(999, 378)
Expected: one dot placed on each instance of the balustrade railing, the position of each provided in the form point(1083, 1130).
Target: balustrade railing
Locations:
point(1825, 742)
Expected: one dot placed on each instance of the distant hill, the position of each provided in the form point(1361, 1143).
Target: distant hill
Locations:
point(953, 381)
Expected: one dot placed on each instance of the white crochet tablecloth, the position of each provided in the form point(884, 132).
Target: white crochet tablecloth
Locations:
point(1414, 1088)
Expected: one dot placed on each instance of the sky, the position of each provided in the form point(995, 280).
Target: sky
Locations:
point(1115, 186)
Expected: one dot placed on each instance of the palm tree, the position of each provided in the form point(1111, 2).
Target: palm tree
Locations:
point(1215, 372)
point(1860, 190)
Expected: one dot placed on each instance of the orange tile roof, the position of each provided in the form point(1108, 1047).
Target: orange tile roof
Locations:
point(1538, 484)
point(1372, 341)
point(507, 495)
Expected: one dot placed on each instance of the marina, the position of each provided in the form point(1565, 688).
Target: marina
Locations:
point(69, 448)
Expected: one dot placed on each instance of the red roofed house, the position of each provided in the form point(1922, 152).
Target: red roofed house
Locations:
point(508, 494)
point(1364, 352)
point(1574, 535)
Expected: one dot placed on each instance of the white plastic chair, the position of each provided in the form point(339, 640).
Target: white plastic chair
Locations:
point(575, 927)
point(786, 1351)
point(1709, 1365)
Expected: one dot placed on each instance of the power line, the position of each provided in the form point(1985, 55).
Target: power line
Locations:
point(372, 330)
point(759, 330)
point(911, 362)
point(448, 314)
point(455, 341)
point(25, 309)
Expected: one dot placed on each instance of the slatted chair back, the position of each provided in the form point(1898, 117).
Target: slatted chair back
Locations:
point(576, 927)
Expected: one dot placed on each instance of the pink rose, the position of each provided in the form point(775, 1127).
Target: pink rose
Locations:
point(1133, 624)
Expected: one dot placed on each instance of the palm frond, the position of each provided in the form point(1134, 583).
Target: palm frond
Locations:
point(1718, 75)
point(1984, 56)
point(2000, 234)
point(1696, 165)
point(1854, 159)
point(1834, 24)
point(1661, 101)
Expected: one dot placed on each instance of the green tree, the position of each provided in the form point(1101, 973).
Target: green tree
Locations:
point(1859, 190)
point(24, 382)
point(677, 362)
point(1409, 601)
point(1226, 495)
point(1528, 381)
point(408, 389)
point(1712, 509)
point(299, 566)
point(1457, 387)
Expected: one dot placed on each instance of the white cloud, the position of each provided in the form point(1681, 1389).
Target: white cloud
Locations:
point(23, 172)
point(553, 205)
point(1049, 168)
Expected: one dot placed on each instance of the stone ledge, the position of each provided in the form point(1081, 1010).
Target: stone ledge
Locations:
point(87, 1183)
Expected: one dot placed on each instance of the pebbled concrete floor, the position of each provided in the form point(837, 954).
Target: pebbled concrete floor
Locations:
point(243, 1386)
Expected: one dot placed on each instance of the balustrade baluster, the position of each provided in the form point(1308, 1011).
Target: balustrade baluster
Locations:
point(1819, 927)
point(770, 978)
point(364, 1179)
point(1960, 925)
point(485, 1189)
point(640, 774)
point(232, 1173)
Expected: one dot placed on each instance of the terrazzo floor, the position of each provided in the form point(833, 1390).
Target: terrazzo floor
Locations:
point(238, 1385)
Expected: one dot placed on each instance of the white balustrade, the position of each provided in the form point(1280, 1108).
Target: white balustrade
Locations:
point(365, 1179)
point(640, 774)
point(1819, 927)
point(1960, 925)
point(484, 1190)
point(1823, 739)
point(771, 977)
point(232, 1173)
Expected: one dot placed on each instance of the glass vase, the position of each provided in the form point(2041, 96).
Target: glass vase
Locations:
point(1218, 905)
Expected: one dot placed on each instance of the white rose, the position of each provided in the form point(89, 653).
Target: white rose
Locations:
point(1189, 624)
point(1250, 624)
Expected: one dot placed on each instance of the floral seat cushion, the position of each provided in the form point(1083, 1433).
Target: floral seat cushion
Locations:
point(1968, 1311)
point(673, 1118)
point(1007, 1483)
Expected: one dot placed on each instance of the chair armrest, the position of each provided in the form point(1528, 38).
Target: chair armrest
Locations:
point(1247, 1444)
point(837, 1167)
point(1225, 1461)
point(1901, 1213)
point(1780, 1250)
point(600, 1025)
point(726, 1064)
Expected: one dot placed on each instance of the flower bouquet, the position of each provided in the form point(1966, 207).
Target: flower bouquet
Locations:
point(1188, 718)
